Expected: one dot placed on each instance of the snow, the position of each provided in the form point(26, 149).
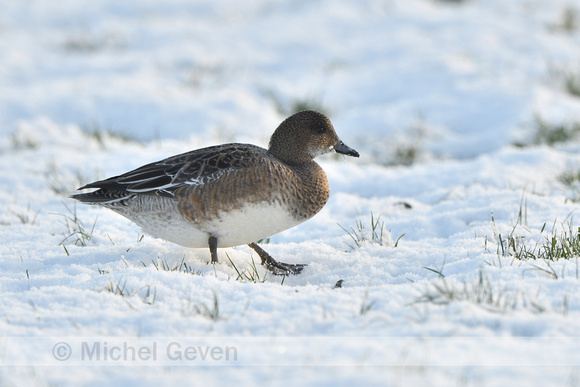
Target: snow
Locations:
point(459, 82)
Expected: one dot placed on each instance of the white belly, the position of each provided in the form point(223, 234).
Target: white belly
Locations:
point(232, 228)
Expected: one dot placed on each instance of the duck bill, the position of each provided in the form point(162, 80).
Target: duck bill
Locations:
point(342, 148)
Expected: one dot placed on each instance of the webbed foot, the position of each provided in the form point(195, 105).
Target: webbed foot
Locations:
point(275, 267)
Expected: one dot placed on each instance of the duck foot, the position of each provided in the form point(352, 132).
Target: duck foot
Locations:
point(275, 267)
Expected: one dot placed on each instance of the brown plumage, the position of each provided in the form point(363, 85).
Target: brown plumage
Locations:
point(229, 194)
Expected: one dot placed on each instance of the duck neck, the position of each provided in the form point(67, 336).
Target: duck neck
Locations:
point(285, 146)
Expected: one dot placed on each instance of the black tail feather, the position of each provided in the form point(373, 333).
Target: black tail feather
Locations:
point(102, 196)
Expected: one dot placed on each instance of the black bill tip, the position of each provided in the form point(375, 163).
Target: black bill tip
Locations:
point(344, 149)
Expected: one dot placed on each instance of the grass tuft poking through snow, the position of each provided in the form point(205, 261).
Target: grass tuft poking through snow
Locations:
point(76, 232)
point(562, 244)
point(481, 291)
point(547, 133)
point(25, 216)
point(211, 312)
point(559, 243)
point(147, 294)
point(289, 107)
point(103, 136)
point(181, 267)
point(251, 275)
point(572, 180)
point(374, 234)
point(569, 21)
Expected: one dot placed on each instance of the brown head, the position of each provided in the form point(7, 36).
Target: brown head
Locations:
point(305, 135)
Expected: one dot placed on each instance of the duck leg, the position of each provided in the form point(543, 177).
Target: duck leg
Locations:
point(277, 268)
point(212, 242)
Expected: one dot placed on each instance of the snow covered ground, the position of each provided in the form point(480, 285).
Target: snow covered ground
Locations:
point(432, 93)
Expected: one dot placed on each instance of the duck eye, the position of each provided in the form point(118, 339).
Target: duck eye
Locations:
point(320, 129)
